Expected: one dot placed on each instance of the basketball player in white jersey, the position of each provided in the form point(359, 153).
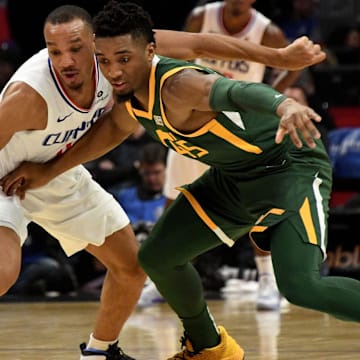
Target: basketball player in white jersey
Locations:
point(48, 104)
point(238, 19)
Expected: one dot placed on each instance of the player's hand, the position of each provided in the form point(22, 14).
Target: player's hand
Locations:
point(27, 176)
point(301, 53)
point(295, 118)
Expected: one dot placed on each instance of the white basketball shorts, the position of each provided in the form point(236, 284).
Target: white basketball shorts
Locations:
point(73, 208)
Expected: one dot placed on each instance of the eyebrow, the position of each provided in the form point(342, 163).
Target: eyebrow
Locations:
point(74, 41)
point(120, 52)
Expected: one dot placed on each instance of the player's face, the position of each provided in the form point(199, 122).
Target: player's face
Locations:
point(153, 176)
point(126, 63)
point(238, 7)
point(71, 49)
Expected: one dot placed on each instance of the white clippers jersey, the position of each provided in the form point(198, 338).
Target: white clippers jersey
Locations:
point(66, 121)
point(253, 32)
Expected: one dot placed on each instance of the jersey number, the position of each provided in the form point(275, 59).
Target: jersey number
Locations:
point(180, 146)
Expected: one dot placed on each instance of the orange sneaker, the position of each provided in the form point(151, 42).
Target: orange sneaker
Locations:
point(228, 349)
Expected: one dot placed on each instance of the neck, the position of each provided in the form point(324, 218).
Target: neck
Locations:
point(235, 23)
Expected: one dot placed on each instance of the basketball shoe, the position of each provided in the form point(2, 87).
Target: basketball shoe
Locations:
point(150, 296)
point(228, 349)
point(268, 297)
point(113, 352)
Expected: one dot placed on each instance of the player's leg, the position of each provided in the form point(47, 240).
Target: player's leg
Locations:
point(297, 269)
point(13, 232)
point(10, 258)
point(268, 296)
point(123, 283)
point(177, 238)
point(80, 214)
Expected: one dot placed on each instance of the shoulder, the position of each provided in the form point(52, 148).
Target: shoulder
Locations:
point(24, 93)
point(188, 90)
point(195, 19)
point(186, 78)
point(260, 16)
point(274, 36)
point(24, 107)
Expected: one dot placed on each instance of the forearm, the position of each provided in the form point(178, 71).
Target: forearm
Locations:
point(100, 139)
point(226, 47)
point(230, 95)
point(285, 79)
point(185, 45)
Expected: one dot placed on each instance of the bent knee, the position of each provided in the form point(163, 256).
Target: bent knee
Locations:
point(8, 277)
point(131, 270)
point(10, 259)
point(300, 290)
point(150, 262)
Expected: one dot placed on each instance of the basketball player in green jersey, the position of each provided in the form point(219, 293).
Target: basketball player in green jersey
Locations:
point(270, 176)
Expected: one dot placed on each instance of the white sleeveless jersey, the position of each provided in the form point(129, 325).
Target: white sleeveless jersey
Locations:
point(253, 32)
point(66, 121)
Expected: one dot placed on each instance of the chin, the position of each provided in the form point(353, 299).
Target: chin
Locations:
point(120, 98)
point(75, 86)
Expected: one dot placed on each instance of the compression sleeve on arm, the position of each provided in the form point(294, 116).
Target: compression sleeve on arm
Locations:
point(231, 95)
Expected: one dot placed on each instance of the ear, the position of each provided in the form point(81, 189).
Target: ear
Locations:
point(151, 50)
point(93, 42)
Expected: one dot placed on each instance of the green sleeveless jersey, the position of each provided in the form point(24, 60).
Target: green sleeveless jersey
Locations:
point(237, 141)
point(253, 183)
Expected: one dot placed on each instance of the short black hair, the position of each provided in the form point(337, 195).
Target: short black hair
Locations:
point(117, 19)
point(66, 13)
point(152, 153)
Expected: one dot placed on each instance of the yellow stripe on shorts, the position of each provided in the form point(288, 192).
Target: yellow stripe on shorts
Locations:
point(205, 218)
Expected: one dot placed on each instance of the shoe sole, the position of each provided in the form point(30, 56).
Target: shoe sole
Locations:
point(268, 308)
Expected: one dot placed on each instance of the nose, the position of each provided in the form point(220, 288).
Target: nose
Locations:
point(114, 72)
point(67, 60)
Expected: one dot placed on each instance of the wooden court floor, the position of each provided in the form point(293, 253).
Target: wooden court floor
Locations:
point(53, 331)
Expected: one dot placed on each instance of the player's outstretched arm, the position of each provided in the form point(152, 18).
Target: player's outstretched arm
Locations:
point(295, 118)
point(108, 132)
point(185, 45)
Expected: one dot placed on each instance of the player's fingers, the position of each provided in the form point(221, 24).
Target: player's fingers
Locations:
point(280, 134)
point(5, 183)
point(287, 127)
point(319, 57)
point(12, 188)
point(313, 115)
point(309, 139)
point(21, 191)
point(294, 136)
point(312, 129)
point(317, 49)
point(307, 128)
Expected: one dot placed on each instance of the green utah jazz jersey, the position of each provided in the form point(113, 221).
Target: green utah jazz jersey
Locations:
point(236, 140)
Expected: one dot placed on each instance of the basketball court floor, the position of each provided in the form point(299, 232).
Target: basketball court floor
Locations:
point(53, 330)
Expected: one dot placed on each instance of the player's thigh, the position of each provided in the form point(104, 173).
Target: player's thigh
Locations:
point(179, 233)
point(12, 217)
point(119, 250)
point(77, 211)
point(291, 253)
point(13, 233)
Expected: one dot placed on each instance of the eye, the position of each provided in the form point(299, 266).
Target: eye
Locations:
point(124, 60)
point(54, 52)
point(103, 61)
point(75, 50)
